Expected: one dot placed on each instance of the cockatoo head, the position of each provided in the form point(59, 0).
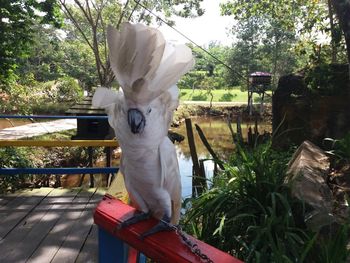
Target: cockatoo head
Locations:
point(147, 68)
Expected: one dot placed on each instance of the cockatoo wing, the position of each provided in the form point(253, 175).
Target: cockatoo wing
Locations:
point(170, 100)
point(109, 100)
point(170, 177)
point(104, 97)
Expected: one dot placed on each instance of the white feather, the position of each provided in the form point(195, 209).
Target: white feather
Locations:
point(103, 97)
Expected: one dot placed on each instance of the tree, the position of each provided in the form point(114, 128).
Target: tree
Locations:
point(342, 8)
point(265, 35)
point(16, 20)
point(90, 18)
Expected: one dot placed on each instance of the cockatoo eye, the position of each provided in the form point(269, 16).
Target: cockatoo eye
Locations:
point(149, 110)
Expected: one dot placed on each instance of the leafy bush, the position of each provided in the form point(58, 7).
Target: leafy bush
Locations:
point(13, 158)
point(328, 79)
point(48, 97)
point(250, 213)
point(339, 151)
point(65, 89)
point(227, 96)
point(200, 97)
point(18, 99)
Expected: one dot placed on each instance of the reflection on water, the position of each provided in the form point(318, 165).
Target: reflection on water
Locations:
point(219, 137)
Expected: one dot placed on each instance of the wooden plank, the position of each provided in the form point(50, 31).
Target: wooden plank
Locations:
point(18, 208)
point(5, 199)
point(89, 252)
point(59, 143)
point(9, 198)
point(22, 241)
point(75, 240)
point(56, 237)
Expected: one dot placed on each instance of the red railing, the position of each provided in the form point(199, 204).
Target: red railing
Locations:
point(167, 247)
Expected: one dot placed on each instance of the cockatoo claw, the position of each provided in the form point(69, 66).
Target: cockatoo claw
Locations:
point(138, 217)
point(163, 225)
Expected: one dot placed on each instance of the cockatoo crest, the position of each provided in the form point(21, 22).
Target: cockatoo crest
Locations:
point(143, 63)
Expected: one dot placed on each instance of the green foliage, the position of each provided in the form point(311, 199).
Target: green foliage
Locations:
point(13, 158)
point(68, 90)
point(200, 97)
point(48, 97)
point(250, 213)
point(328, 79)
point(79, 62)
point(17, 18)
point(340, 149)
point(18, 100)
point(208, 73)
point(227, 96)
point(334, 249)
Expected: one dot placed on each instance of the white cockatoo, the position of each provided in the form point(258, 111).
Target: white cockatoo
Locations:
point(147, 69)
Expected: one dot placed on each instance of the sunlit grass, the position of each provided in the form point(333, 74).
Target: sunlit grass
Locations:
point(219, 95)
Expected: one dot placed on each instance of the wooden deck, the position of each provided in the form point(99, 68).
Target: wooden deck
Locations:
point(49, 225)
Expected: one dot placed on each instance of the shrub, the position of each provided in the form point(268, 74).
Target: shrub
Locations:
point(250, 213)
point(328, 79)
point(200, 97)
point(13, 158)
point(227, 96)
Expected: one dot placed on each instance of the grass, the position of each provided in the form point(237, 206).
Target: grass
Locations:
point(219, 95)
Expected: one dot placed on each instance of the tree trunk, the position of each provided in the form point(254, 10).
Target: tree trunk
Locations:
point(333, 41)
point(342, 9)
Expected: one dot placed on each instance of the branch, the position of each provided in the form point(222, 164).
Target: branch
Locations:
point(207, 145)
point(71, 17)
point(122, 13)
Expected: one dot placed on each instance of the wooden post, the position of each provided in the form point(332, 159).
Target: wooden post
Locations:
point(207, 145)
point(91, 152)
point(197, 182)
point(108, 164)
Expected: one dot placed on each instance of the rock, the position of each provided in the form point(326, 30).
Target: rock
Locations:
point(307, 176)
point(175, 137)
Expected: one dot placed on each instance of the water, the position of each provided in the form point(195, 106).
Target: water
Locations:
point(219, 137)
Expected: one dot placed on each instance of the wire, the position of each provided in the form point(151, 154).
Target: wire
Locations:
point(194, 43)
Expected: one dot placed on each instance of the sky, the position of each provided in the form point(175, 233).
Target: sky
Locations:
point(204, 29)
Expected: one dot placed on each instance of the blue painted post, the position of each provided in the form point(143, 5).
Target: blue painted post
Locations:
point(114, 250)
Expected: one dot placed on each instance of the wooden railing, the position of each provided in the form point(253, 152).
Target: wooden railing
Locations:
point(58, 143)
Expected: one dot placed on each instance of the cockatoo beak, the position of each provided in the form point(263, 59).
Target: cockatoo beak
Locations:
point(136, 120)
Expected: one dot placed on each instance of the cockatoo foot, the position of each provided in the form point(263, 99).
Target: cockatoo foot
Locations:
point(133, 220)
point(163, 225)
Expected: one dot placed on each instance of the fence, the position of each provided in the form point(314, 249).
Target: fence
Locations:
point(58, 143)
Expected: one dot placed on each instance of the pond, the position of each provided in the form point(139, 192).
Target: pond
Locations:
point(219, 137)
